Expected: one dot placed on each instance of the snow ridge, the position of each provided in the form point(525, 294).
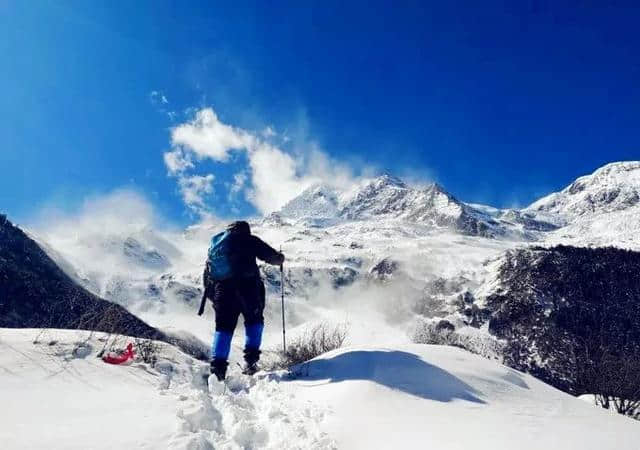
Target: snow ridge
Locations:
point(613, 187)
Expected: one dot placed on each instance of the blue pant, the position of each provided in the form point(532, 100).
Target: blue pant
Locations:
point(222, 341)
point(232, 298)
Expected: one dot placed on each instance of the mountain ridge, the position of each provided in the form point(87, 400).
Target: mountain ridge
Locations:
point(612, 187)
point(389, 197)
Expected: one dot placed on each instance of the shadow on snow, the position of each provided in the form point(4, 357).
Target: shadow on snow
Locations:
point(398, 370)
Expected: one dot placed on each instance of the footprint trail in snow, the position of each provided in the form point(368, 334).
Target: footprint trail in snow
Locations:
point(247, 413)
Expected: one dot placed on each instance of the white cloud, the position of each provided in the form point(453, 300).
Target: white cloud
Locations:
point(194, 188)
point(207, 137)
point(177, 161)
point(239, 180)
point(275, 175)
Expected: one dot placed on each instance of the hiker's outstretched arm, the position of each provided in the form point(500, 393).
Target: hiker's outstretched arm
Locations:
point(265, 253)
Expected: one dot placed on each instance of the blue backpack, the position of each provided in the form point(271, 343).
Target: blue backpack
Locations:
point(219, 261)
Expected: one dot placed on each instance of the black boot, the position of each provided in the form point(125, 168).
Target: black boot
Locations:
point(219, 368)
point(251, 357)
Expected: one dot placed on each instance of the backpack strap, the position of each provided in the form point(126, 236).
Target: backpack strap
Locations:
point(205, 282)
point(202, 304)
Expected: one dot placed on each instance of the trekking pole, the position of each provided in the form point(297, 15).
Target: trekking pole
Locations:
point(284, 339)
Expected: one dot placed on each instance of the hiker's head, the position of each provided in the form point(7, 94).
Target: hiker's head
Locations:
point(240, 227)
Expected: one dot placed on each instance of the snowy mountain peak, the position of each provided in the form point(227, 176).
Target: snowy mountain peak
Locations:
point(322, 201)
point(620, 167)
point(437, 190)
point(436, 187)
point(388, 197)
point(380, 196)
point(387, 179)
point(613, 187)
point(317, 201)
point(626, 172)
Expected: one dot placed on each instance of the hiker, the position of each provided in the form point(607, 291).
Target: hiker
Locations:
point(233, 283)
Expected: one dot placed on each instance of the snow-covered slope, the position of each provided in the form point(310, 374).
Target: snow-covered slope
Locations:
point(389, 197)
point(57, 394)
point(614, 187)
point(444, 398)
point(598, 209)
point(615, 228)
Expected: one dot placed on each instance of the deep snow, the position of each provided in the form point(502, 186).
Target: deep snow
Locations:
point(445, 398)
point(362, 397)
point(57, 394)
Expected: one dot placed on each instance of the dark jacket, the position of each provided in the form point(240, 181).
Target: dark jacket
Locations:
point(244, 249)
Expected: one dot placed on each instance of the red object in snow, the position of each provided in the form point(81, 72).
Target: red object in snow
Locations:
point(119, 359)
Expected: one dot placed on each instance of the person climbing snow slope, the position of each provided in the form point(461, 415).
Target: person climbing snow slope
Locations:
point(233, 283)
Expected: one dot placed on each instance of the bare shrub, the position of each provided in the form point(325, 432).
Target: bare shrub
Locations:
point(444, 333)
point(427, 332)
point(614, 379)
point(147, 350)
point(625, 406)
point(315, 341)
point(112, 343)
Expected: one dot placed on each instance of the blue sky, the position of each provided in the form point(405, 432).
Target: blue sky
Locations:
point(501, 103)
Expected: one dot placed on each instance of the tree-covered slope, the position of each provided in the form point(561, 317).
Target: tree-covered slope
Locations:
point(569, 315)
